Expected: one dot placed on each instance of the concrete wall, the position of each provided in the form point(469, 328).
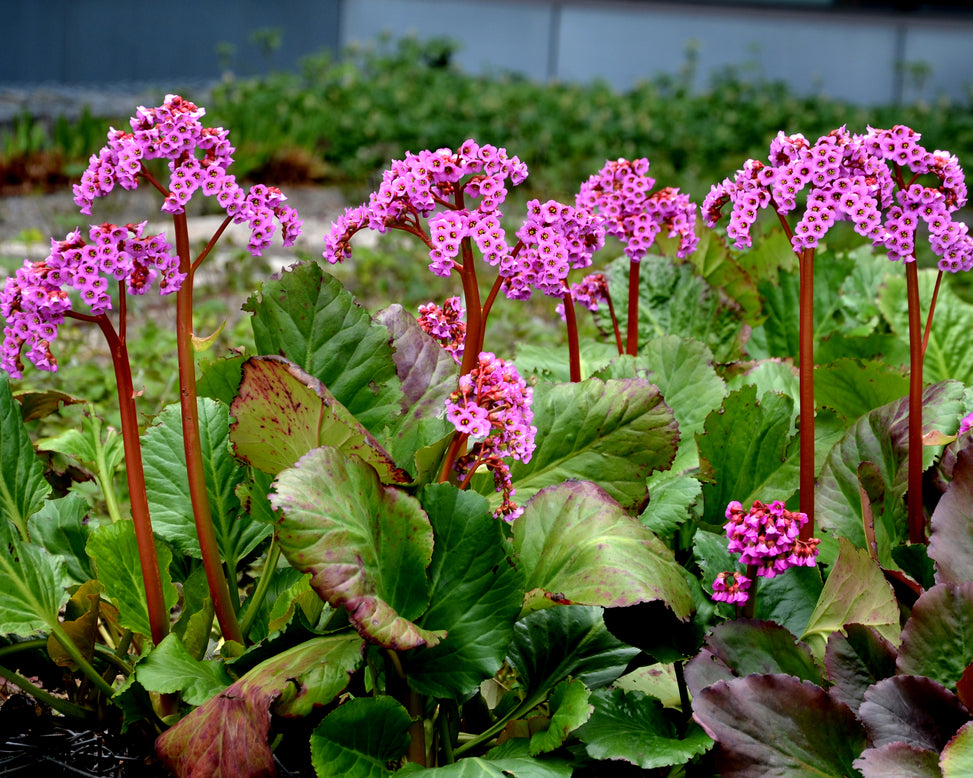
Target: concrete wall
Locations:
point(816, 46)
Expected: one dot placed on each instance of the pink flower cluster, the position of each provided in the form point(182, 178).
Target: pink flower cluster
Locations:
point(732, 588)
point(492, 406)
point(446, 325)
point(421, 183)
point(621, 194)
point(590, 292)
point(848, 177)
point(553, 240)
point(767, 537)
point(34, 300)
point(198, 159)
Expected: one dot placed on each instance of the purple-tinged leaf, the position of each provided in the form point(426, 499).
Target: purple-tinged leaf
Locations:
point(956, 760)
point(227, 736)
point(777, 725)
point(951, 540)
point(855, 659)
point(575, 542)
point(899, 760)
point(881, 436)
point(743, 647)
point(366, 545)
point(964, 687)
point(428, 375)
point(856, 592)
point(913, 710)
point(281, 412)
point(937, 640)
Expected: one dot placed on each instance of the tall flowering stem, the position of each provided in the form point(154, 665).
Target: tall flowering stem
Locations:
point(857, 178)
point(806, 373)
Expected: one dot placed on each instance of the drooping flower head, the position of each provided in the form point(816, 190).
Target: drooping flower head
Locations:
point(492, 406)
point(446, 325)
point(621, 195)
point(732, 588)
point(198, 158)
point(870, 180)
point(768, 536)
point(431, 184)
point(34, 300)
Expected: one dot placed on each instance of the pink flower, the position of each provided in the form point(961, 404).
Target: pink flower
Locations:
point(732, 588)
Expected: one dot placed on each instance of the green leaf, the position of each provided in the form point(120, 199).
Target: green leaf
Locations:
point(308, 317)
point(22, 484)
point(854, 388)
point(220, 379)
point(633, 727)
point(34, 589)
point(169, 668)
point(745, 452)
point(790, 598)
point(951, 537)
point(569, 710)
point(164, 457)
point(881, 437)
point(281, 412)
point(937, 640)
point(683, 370)
point(59, 527)
point(671, 500)
point(115, 552)
point(957, 757)
point(779, 725)
point(231, 729)
point(366, 545)
point(575, 543)
point(359, 738)
point(569, 641)
point(89, 445)
point(475, 596)
point(612, 432)
point(498, 767)
point(951, 335)
point(856, 592)
point(551, 364)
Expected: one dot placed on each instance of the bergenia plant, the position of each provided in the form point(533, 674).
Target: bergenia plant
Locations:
point(887, 185)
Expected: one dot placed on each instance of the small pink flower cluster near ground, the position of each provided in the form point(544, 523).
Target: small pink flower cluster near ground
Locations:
point(492, 406)
point(848, 177)
point(767, 538)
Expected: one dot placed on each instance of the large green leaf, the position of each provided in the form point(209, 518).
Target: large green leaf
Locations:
point(164, 456)
point(170, 668)
point(856, 592)
point(778, 725)
point(951, 538)
point(937, 640)
point(569, 641)
point(34, 588)
point(951, 336)
point(575, 543)
point(366, 545)
point(633, 727)
point(60, 527)
point(612, 432)
point(227, 735)
point(569, 709)
point(428, 375)
point(683, 370)
point(745, 452)
point(475, 596)
point(881, 437)
point(501, 762)
point(115, 552)
point(22, 484)
point(674, 300)
point(358, 739)
point(307, 316)
point(281, 412)
point(552, 364)
point(853, 388)
point(957, 757)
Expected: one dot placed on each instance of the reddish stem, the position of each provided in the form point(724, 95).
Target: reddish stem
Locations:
point(632, 342)
point(574, 350)
point(917, 521)
point(806, 378)
point(209, 548)
point(151, 576)
point(611, 311)
point(932, 309)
